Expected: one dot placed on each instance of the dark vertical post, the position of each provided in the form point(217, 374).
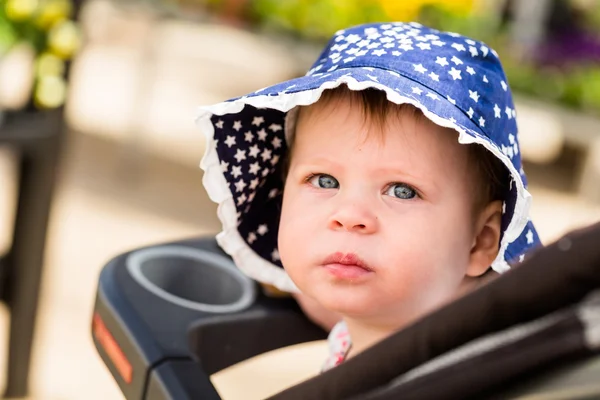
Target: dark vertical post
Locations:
point(40, 138)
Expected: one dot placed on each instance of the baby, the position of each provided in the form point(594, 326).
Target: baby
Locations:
point(380, 186)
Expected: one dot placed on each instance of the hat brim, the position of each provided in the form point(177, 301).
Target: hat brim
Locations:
point(307, 90)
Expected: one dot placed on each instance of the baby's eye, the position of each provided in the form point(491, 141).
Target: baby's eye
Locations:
point(401, 191)
point(324, 181)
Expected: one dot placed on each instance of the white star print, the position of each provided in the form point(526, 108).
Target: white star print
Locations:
point(256, 121)
point(254, 168)
point(224, 166)
point(434, 76)
point(275, 160)
point(262, 229)
point(373, 78)
point(379, 52)
point(249, 136)
point(451, 100)
point(474, 95)
point(470, 41)
point(251, 237)
point(273, 193)
point(362, 53)
point(497, 111)
point(240, 155)
point(262, 134)
point(348, 59)
point(276, 142)
point(406, 47)
point(219, 124)
point(455, 73)
point(504, 85)
point(254, 150)
point(481, 122)
point(416, 90)
point(242, 199)
point(420, 68)
point(470, 70)
point(473, 51)
point(442, 61)
point(522, 258)
point(424, 46)
point(511, 138)
point(236, 171)
point(240, 185)
point(396, 53)
point(353, 38)
point(456, 60)
point(470, 112)
point(508, 112)
point(529, 237)
point(254, 183)
point(237, 125)
point(230, 141)
point(432, 96)
point(438, 43)
point(275, 255)
point(459, 47)
point(275, 127)
point(485, 79)
point(452, 120)
point(266, 154)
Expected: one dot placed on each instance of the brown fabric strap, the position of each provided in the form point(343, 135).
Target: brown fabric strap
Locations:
point(552, 278)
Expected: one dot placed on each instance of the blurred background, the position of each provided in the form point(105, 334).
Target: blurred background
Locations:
point(99, 153)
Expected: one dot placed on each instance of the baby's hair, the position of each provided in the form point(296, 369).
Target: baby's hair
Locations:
point(492, 177)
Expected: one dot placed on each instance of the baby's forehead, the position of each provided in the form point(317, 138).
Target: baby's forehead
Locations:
point(375, 114)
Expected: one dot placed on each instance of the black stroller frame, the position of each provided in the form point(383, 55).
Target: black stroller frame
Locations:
point(168, 316)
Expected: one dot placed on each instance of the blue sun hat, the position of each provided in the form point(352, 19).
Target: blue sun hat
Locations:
point(455, 81)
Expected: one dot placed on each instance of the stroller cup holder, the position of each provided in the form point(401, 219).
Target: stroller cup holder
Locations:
point(167, 317)
point(192, 278)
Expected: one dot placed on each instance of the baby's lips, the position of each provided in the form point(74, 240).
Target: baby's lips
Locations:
point(346, 259)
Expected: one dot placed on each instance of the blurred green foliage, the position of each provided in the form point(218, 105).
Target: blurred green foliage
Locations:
point(48, 28)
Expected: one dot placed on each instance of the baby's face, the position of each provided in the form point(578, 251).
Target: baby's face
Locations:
point(377, 221)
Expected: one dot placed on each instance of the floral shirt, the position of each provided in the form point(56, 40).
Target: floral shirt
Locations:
point(339, 346)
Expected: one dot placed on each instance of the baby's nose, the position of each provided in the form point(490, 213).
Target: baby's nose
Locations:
point(354, 218)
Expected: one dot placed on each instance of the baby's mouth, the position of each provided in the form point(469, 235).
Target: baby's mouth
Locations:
point(346, 266)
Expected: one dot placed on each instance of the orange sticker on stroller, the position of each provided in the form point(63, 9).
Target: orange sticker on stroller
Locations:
point(112, 349)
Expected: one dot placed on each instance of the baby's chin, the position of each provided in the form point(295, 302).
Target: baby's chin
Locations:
point(351, 301)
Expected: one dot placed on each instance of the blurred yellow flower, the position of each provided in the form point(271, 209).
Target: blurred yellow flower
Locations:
point(50, 92)
point(64, 39)
point(49, 64)
point(408, 10)
point(20, 10)
point(52, 11)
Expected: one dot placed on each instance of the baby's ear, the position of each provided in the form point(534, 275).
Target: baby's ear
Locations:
point(486, 242)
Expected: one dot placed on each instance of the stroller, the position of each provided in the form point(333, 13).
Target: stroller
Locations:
point(168, 316)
